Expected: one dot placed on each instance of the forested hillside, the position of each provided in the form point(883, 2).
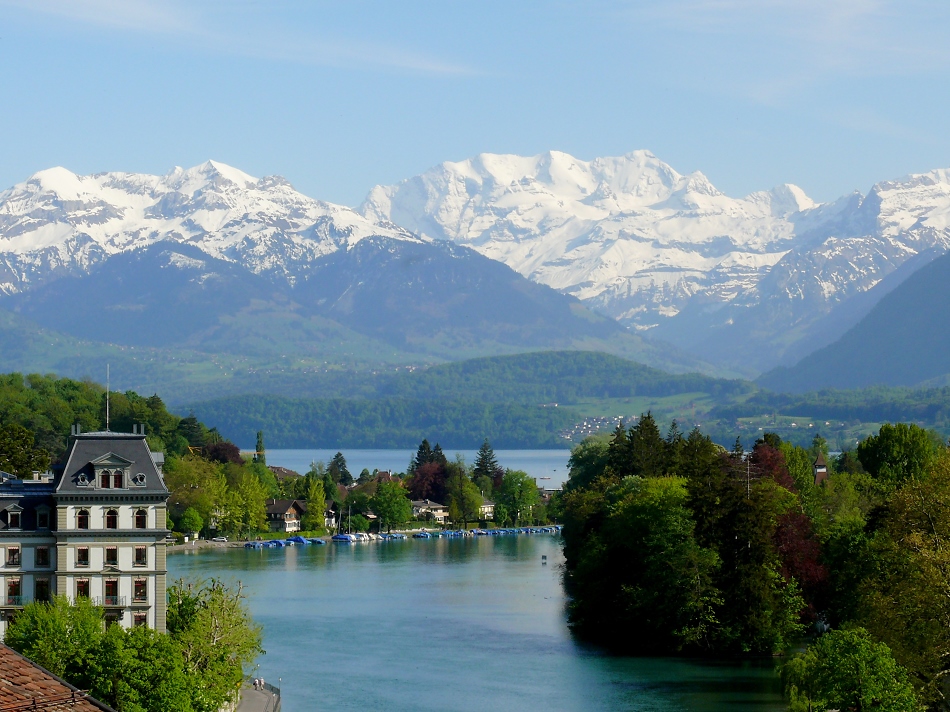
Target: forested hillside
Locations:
point(48, 406)
point(384, 422)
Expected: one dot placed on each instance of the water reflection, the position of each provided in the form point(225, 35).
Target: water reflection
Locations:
point(449, 624)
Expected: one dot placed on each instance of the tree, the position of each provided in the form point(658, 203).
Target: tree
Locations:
point(486, 464)
point(223, 452)
point(59, 636)
point(465, 501)
point(193, 431)
point(314, 519)
point(426, 455)
point(259, 451)
point(904, 602)
point(423, 455)
point(365, 476)
point(588, 461)
point(213, 628)
point(518, 494)
point(253, 499)
point(847, 670)
point(391, 505)
point(639, 581)
point(429, 482)
point(898, 452)
point(18, 455)
point(191, 521)
point(357, 523)
point(139, 670)
point(338, 470)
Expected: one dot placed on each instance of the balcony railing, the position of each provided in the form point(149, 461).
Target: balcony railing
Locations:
point(110, 601)
point(14, 600)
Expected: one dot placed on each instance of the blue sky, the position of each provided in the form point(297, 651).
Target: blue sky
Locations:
point(338, 96)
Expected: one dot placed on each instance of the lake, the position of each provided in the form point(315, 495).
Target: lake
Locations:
point(470, 625)
point(537, 463)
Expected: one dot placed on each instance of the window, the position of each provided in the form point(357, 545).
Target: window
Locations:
point(112, 556)
point(82, 519)
point(117, 480)
point(104, 480)
point(13, 556)
point(14, 519)
point(141, 519)
point(14, 592)
point(41, 589)
point(112, 592)
point(82, 588)
point(42, 520)
point(112, 519)
point(140, 590)
point(82, 556)
point(140, 620)
point(141, 555)
point(41, 556)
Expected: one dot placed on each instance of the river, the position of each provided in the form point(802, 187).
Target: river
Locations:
point(471, 625)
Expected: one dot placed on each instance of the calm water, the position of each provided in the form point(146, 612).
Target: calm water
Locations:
point(537, 463)
point(463, 625)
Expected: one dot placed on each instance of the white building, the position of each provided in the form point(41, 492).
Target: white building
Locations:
point(97, 529)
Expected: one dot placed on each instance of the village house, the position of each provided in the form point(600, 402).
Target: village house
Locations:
point(821, 469)
point(284, 474)
point(423, 508)
point(284, 515)
point(487, 509)
point(95, 529)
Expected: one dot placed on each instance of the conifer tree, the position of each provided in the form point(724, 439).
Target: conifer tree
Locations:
point(485, 462)
point(259, 455)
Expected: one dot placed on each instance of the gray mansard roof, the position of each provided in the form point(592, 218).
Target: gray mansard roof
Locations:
point(121, 450)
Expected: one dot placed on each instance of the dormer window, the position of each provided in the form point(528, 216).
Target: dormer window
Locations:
point(117, 480)
point(42, 519)
point(139, 479)
point(13, 520)
point(105, 479)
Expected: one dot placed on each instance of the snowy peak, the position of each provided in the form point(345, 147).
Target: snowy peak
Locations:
point(73, 222)
point(644, 243)
point(629, 232)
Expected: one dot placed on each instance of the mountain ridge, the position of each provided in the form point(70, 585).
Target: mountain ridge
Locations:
point(746, 282)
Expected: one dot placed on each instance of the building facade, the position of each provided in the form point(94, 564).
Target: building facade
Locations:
point(96, 529)
point(285, 515)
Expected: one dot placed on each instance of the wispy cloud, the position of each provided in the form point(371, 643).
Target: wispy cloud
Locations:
point(857, 36)
point(203, 25)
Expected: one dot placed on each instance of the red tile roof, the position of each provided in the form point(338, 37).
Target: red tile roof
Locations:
point(26, 686)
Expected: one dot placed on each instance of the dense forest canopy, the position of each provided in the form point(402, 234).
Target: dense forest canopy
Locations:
point(48, 406)
point(676, 545)
point(385, 423)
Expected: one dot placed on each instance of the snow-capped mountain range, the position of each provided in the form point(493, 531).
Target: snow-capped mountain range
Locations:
point(58, 223)
point(629, 234)
point(754, 280)
point(670, 253)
